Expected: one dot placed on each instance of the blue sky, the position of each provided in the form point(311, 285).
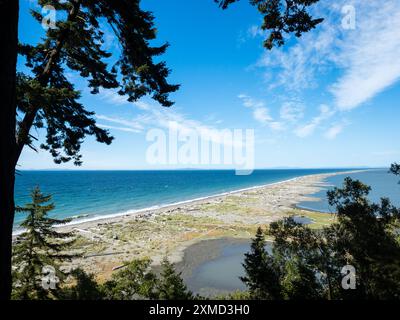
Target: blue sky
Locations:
point(328, 99)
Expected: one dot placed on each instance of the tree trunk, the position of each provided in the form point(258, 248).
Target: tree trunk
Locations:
point(8, 59)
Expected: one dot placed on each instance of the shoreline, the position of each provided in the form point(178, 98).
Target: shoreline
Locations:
point(143, 212)
point(105, 245)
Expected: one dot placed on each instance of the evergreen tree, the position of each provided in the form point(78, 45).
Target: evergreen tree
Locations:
point(297, 250)
point(135, 281)
point(262, 275)
point(365, 238)
point(282, 18)
point(44, 97)
point(85, 288)
point(38, 248)
point(395, 169)
point(299, 281)
point(170, 285)
point(8, 63)
point(310, 261)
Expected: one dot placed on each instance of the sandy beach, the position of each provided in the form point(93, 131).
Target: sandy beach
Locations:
point(106, 244)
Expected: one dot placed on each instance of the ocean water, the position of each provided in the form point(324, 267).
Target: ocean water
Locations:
point(90, 194)
point(383, 184)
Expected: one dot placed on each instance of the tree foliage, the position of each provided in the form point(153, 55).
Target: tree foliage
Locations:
point(38, 247)
point(47, 98)
point(262, 275)
point(395, 169)
point(134, 281)
point(44, 97)
point(308, 262)
point(85, 287)
point(137, 281)
point(170, 285)
point(281, 18)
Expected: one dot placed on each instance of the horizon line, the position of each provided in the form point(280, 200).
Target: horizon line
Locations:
point(211, 169)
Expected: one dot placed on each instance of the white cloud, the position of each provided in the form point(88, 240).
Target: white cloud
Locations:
point(292, 111)
point(112, 96)
point(165, 118)
point(249, 102)
point(260, 112)
point(296, 67)
point(277, 126)
point(142, 105)
point(255, 31)
point(134, 125)
point(334, 131)
point(306, 130)
point(262, 115)
point(370, 55)
point(126, 129)
point(366, 58)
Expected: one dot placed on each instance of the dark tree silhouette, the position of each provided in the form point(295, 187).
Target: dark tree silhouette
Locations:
point(309, 262)
point(8, 60)
point(282, 17)
point(395, 169)
point(261, 273)
point(45, 98)
point(39, 246)
point(170, 285)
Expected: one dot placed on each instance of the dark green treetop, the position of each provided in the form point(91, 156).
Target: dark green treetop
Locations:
point(261, 273)
point(134, 281)
point(308, 262)
point(395, 169)
point(85, 287)
point(170, 285)
point(282, 17)
point(39, 246)
point(47, 98)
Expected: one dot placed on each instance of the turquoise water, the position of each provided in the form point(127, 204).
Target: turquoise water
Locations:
point(98, 193)
point(383, 184)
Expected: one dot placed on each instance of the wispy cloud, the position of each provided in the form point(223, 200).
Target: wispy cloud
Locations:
point(335, 130)
point(260, 112)
point(126, 129)
point(154, 116)
point(366, 57)
point(255, 31)
point(134, 125)
point(111, 96)
point(370, 55)
point(306, 130)
point(292, 111)
point(360, 62)
point(296, 67)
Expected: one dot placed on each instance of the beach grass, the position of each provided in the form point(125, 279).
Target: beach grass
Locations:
point(319, 219)
point(169, 231)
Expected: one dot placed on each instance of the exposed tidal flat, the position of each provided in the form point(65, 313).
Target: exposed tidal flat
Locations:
point(191, 233)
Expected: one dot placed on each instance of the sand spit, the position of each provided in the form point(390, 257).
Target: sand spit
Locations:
point(107, 243)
